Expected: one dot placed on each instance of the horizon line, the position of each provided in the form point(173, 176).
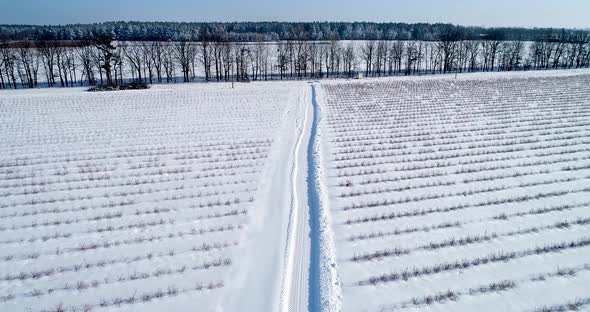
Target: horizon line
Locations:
point(299, 22)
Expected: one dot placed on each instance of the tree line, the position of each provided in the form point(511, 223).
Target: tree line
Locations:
point(214, 56)
point(272, 31)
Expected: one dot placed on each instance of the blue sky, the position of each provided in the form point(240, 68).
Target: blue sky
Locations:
point(528, 13)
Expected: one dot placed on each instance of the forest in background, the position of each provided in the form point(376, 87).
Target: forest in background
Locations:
point(137, 52)
point(276, 31)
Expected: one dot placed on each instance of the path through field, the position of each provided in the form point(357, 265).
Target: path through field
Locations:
point(313, 204)
point(294, 290)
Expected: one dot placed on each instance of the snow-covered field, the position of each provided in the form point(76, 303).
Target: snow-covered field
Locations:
point(168, 199)
point(469, 194)
point(425, 193)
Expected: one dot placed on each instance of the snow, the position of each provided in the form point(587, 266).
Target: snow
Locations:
point(297, 264)
point(170, 198)
point(330, 292)
point(436, 193)
point(426, 171)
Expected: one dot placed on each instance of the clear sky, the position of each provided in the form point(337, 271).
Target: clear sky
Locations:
point(528, 13)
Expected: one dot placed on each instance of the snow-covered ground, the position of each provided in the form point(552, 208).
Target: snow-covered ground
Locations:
point(175, 198)
point(468, 194)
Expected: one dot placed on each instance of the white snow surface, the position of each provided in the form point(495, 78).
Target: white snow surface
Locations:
point(437, 193)
point(175, 198)
point(428, 178)
point(296, 273)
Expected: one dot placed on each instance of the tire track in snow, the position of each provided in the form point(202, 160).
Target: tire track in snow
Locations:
point(294, 289)
point(302, 284)
point(313, 203)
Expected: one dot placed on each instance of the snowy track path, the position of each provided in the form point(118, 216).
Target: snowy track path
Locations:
point(271, 270)
point(295, 282)
point(313, 208)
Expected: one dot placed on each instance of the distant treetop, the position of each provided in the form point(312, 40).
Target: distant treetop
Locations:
point(272, 31)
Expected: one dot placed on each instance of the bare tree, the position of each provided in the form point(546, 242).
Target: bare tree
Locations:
point(282, 58)
point(317, 52)
point(490, 53)
point(291, 57)
point(435, 58)
point(59, 62)
point(579, 48)
point(184, 53)
point(217, 58)
point(2, 83)
point(156, 52)
point(241, 59)
point(302, 56)
point(462, 55)
point(448, 53)
point(68, 64)
point(148, 60)
point(168, 62)
point(335, 57)
point(85, 55)
point(412, 56)
point(349, 59)
point(559, 49)
point(368, 51)
point(420, 50)
point(512, 55)
point(586, 55)
point(206, 55)
point(381, 57)
point(10, 64)
point(265, 55)
point(118, 65)
point(47, 51)
point(547, 53)
point(536, 54)
point(97, 63)
point(472, 48)
point(258, 54)
point(326, 59)
point(227, 60)
point(26, 70)
point(397, 54)
point(134, 53)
